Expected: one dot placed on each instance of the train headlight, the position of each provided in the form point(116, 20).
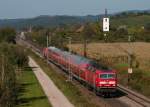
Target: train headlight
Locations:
point(112, 82)
point(102, 82)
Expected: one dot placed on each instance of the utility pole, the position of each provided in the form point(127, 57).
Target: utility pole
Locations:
point(69, 69)
point(130, 53)
point(105, 12)
point(47, 47)
point(50, 39)
point(85, 48)
point(3, 69)
point(105, 37)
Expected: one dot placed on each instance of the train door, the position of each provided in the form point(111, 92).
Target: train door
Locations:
point(91, 75)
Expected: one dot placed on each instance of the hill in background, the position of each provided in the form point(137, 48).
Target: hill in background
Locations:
point(47, 21)
point(131, 18)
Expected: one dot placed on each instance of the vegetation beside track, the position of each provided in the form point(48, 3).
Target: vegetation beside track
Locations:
point(72, 92)
point(18, 87)
point(30, 91)
point(139, 79)
point(12, 58)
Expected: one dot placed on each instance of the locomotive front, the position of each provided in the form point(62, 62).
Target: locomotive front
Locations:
point(106, 80)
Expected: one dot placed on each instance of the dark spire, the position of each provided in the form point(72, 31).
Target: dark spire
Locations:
point(105, 12)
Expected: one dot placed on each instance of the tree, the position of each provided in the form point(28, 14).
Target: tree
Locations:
point(8, 35)
point(88, 33)
point(147, 26)
point(121, 34)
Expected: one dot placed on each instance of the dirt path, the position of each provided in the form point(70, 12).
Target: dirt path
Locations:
point(55, 96)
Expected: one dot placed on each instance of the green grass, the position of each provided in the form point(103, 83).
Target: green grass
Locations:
point(31, 93)
point(71, 91)
point(121, 65)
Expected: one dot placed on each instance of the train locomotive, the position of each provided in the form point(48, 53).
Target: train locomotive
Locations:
point(97, 76)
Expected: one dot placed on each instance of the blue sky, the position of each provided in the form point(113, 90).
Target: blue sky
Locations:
point(32, 8)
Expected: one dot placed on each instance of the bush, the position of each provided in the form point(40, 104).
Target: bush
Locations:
point(14, 53)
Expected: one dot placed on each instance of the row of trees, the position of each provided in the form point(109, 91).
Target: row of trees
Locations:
point(11, 58)
point(91, 32)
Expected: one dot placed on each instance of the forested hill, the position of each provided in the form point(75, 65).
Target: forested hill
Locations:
point(131, 17)
point(46, 20)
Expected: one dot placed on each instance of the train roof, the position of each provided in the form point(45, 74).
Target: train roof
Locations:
point(77, 59)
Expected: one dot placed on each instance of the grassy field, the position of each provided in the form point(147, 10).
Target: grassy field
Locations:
point(31, 93)
point(112, 50)
point(75, 93)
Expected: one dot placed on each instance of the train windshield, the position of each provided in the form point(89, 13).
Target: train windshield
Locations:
point(107, 76)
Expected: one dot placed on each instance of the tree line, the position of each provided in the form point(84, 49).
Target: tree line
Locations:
point(12, 57)
point(90, 32)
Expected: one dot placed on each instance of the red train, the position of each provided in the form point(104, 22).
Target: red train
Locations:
point(95, 75)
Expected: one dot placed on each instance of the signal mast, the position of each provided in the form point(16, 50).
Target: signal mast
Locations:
point(105, 25)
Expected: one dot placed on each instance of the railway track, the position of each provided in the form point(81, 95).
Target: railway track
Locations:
point(139, 99)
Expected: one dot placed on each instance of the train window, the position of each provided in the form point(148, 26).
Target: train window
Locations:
point(80, 71)
point(93, 69)
point(107, 76)
point(90, 68)
point(103, 76)
point(111, 75)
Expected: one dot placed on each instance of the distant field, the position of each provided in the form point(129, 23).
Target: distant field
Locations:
point(31, 93)
point(109, 50)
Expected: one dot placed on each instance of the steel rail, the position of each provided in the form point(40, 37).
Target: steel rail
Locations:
point(145, 102)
